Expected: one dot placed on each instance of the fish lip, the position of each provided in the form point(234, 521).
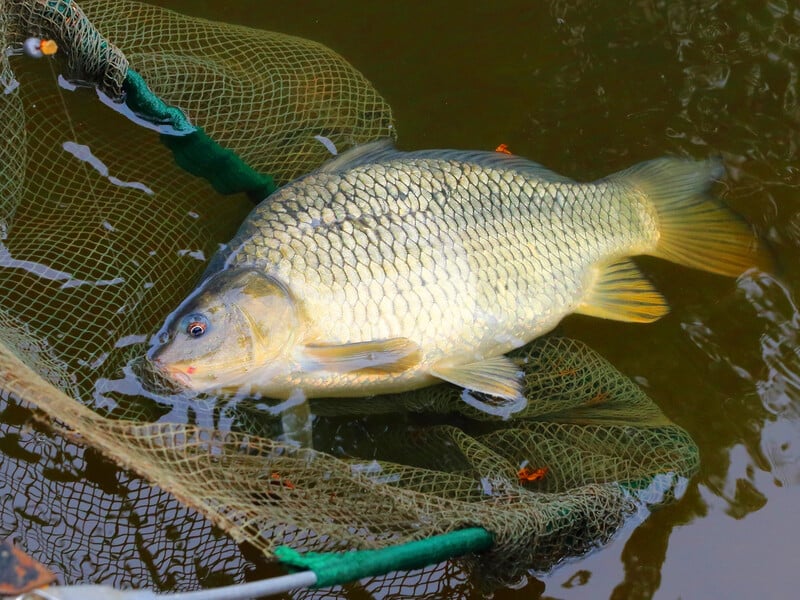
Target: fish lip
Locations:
point(172, 372)
point(181, 377)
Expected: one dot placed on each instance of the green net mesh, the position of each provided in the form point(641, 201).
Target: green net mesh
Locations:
point(100, 234)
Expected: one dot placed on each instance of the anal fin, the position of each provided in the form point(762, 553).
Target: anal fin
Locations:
point(393, 355)
point(622, 293)
point(498, 376)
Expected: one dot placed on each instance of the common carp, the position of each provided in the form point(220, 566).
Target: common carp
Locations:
point(386, 271)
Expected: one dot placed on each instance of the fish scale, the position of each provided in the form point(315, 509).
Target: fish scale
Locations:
point(478, 233)
point(385, 271)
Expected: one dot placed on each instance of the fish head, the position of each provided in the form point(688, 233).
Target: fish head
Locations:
point(238, 322)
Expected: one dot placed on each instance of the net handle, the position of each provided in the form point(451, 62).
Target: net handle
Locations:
point(338, 568)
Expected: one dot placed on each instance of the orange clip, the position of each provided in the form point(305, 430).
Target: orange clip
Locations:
point(503, 148)
point(529, 475)
point(48, 47)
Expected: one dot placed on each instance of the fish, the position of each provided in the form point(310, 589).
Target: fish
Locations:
point(386, 271)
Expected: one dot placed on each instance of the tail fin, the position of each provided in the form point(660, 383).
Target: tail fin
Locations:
point(694, 229)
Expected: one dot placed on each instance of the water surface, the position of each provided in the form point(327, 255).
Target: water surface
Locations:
point(589, 88)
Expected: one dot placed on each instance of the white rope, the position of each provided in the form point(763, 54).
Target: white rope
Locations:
point(241, 591)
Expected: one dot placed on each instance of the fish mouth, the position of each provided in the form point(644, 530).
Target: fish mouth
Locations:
point(175, 373)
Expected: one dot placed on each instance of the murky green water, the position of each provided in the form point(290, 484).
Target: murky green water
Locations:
point(588, 88)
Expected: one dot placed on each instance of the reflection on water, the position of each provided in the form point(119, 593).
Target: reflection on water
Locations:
point(778, 385)
point(90, 521)
point(586, 88)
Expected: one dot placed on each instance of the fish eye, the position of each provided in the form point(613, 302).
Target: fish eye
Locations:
point(196, 325)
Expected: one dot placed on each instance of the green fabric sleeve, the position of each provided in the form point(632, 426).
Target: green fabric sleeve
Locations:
point(339, 568)
point(195, 151)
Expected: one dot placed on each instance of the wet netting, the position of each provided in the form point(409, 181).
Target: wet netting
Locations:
point(101, 232)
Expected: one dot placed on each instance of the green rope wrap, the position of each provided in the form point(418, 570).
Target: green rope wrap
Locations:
point(195, 152)
point(335, 569)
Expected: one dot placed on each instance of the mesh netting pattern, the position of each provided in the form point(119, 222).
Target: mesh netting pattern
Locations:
point(101, 235)
point(598, 473)
point(60, 503)
point(263, 93)
point(89, 57)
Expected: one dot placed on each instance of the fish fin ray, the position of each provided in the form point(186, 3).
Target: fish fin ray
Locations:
point(495, 160)
point(622, 293)
point(362, 154)
point(393, 355)
point(493, 405)
point(498, 376)
point(695, 230)
point(383, 150)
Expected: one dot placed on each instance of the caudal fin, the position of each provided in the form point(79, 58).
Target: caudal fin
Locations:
point(694, 229)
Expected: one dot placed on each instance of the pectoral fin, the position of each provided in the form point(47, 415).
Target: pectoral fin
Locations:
point(621, 292)
point(498, 376)
point(380, 356)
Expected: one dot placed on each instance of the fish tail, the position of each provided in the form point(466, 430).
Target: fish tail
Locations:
point(694, 229)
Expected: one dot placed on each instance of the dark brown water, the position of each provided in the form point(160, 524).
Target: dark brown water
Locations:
point(588, 88)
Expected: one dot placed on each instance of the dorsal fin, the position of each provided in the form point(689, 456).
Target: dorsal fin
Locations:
point(362, 154)
point(384, 150)
point(490, 159)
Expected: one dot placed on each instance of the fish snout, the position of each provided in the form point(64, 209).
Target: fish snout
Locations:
point(177, 373)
